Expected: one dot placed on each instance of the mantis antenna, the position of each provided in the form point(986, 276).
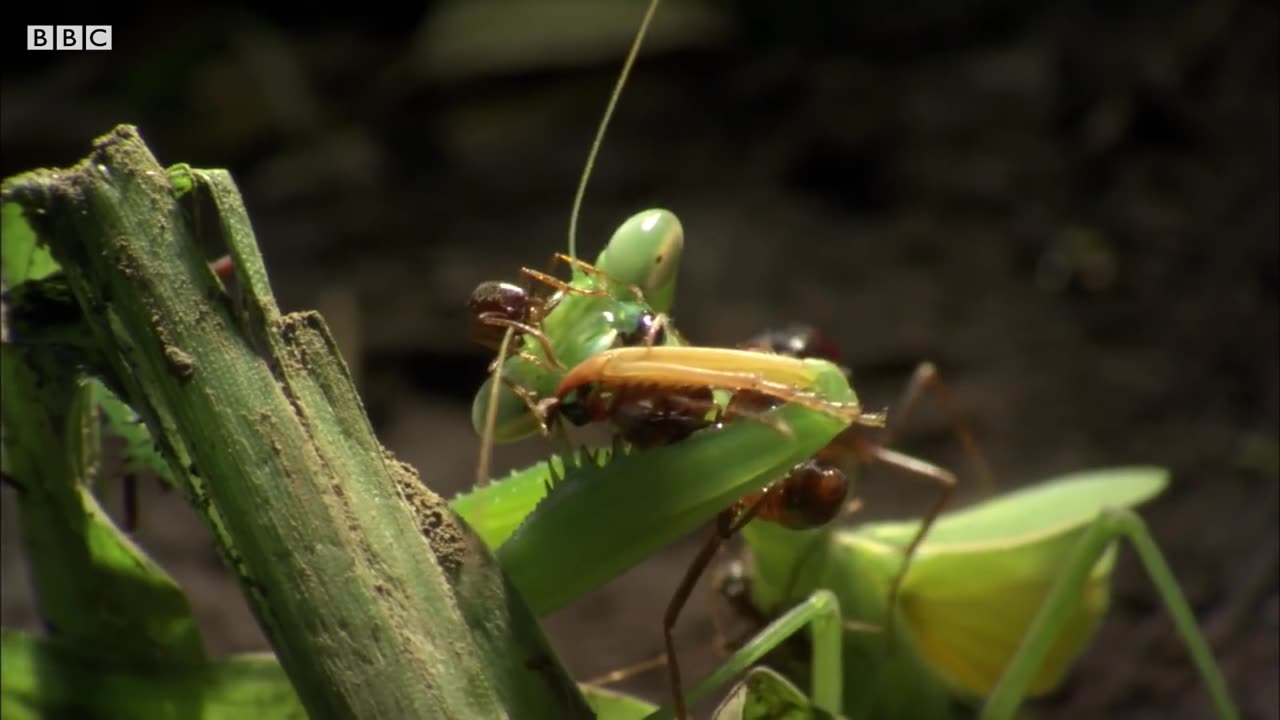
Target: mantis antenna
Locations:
point(486, 438)
point(604, 125)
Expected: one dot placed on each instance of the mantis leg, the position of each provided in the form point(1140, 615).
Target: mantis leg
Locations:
point(820, 612)
point(1109, 526)
point(927, 377)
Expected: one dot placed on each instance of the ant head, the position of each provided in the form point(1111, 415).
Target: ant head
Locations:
point(813, 495)
point(573, 406)
point(498, 299)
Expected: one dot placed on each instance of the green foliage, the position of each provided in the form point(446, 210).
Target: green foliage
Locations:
point(140, 451)
point(22, 256)
point(41, 679)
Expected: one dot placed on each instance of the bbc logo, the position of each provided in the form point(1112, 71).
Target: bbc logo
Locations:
point(68, 37)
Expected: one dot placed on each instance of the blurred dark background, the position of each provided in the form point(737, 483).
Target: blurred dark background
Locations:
point(1071, 208)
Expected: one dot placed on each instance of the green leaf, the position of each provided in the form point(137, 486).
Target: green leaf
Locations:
point(140, 452)
point(41, 679)
point(100, 592)
point(22, 256)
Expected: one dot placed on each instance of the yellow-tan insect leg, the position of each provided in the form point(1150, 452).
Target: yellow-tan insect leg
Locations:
point(590, 269)
point(532, 332)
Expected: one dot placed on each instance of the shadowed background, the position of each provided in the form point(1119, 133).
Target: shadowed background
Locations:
point(1071, 210)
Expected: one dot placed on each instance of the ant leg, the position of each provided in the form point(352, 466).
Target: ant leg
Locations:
point(547, 278)
point(537, 361)
point(529, 330)
point(726, 526)
point(530, 400)
point(590, 269)
point(926, 376)
point(129, 503)
point(908, 465)
point(559, 284)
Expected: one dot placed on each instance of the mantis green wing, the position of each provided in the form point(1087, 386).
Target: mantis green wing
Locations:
point(1000, 600)
point(972, 592)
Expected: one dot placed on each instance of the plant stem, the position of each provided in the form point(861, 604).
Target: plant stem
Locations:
point(378, 602)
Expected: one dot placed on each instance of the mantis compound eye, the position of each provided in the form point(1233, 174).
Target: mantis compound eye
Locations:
point(648, 331)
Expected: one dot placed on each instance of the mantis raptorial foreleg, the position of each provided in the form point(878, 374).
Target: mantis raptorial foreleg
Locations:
point(1106, 528)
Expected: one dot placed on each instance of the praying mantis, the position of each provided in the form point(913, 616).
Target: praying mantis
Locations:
point(1031, 553)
